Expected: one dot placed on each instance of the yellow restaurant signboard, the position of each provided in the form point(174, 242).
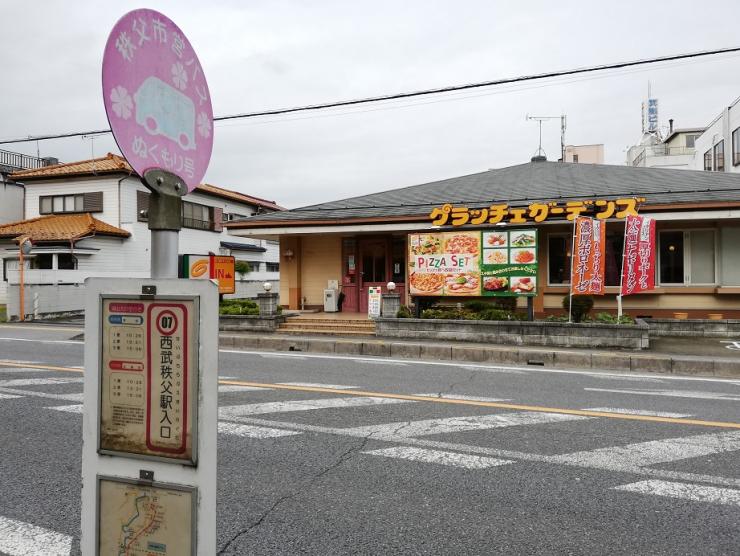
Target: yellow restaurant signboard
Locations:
point(448, 214)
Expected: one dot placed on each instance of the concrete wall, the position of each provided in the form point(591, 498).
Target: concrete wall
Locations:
point(694, 328)
point(11, 202)
point(587, 154)
point(555, 334)
point(45, 300)
point(321, 261)
point(720, 128)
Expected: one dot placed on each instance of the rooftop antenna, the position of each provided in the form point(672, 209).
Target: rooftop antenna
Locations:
point(539, 119)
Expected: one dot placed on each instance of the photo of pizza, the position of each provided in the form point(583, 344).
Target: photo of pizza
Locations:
point(523, 256)
point(427, 244)
point(468, 243)
point(464, 283)
point(427, 284)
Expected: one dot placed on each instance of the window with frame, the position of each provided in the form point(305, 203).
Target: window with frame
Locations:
point(686, 257)
point(199, 217)
point(736, 147)
point(558, 259)
point(66, 261)
point(575, 158)
point(708, 160)
point(691, 141)
point(272, 267)
point(719, 156)
point(57, 204)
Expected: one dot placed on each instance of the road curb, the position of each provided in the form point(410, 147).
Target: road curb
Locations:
point(496, 355)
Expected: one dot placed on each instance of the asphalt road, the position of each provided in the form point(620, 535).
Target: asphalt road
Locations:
point(328, 472)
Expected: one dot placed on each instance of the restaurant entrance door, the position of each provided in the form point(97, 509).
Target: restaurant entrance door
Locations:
point(373, 267)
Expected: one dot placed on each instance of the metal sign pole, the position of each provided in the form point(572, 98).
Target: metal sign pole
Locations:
point(165, 220)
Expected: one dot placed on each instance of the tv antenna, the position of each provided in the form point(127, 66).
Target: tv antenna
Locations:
point(539, 120)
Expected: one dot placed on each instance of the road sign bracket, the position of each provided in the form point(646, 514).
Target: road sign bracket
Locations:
point(165, 203)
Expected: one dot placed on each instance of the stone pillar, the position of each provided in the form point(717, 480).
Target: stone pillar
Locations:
point(268, 303)
point(391, 305)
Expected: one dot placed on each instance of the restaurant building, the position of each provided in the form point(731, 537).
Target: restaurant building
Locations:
point(373, 239)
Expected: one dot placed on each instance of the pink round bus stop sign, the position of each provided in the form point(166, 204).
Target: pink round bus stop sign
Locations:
point(156, 97)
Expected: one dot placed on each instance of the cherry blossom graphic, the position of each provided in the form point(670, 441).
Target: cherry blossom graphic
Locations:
point(179, 77)
point(122, 103)
point(204, 125)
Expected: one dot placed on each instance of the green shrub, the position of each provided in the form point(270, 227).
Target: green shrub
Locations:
point(556, 318)
point(403, 312)
point(580, 307)
point(242, 268)
point(608, 318)
point(477, 306)
point(495, 314)
point(238, 307)
point(441, 314)
point(506, 303)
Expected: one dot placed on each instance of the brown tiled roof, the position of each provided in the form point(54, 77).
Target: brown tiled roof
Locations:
point(60, 227)
point(115, 164)
point(109, 164)
point(236, 196)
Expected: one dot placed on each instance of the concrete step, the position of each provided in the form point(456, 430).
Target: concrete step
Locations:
point(333, 322)
point(332, 325)
point(287, 329)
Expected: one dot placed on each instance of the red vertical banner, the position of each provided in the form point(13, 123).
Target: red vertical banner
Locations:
point(638, 263)
point(589, 246)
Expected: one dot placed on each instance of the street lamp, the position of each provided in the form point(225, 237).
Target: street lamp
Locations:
point(267, 286)
point(24, 248)
point(391, 286)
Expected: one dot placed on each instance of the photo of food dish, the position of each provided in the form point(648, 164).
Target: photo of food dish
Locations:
point(495, 256)
point(495, 239)
point(523, 256)
point(523, 284)
point(524, 238)
point(464, 283)
point(426, 284)
point(427, 244)
point(463, 243)
point(495, 283)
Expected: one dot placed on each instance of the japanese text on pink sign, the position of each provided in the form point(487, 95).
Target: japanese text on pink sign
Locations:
point(638, 267)
point(157, 98)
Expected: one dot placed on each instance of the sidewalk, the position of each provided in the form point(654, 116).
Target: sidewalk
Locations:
point(697, 356)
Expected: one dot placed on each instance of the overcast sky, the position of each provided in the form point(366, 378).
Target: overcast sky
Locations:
point(269, 54)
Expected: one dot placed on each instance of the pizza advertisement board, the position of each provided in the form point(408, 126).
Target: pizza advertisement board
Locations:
point(488, 263)
point(149, 378)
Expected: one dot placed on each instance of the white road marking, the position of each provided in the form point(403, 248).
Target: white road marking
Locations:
point(75, 408)
point(42, 341)
point(302, 405)
point(223, 388)
point(631, 378)
point(696, 493)
point(464, 397)
point(318, 385)
point(40, 381)
point(461, 424)
point(639, 412)
point(23, 539)
point(602, 464)
point(653, 452)
point(478, 366)
point(9, 396)
point(452, 459)
point(250, 431)
point(395, 363)
point(671, 394)
point(66, 397)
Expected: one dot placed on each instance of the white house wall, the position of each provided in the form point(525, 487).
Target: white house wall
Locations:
point(108, 185)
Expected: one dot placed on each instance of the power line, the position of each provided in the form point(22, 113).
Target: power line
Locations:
point(439, 90)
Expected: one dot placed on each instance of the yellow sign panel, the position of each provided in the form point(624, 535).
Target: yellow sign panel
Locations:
point(149, 377)
point(449, 215)
point(223, 271)
point(143, 520)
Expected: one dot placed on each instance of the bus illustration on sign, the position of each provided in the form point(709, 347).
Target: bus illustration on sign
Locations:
point(163, 110)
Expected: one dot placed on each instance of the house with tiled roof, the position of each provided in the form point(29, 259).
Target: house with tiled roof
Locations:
point(89, 218)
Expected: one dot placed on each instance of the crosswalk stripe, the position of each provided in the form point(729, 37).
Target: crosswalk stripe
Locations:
point(40, 381)
point(696, 493)
point(76, 408)
point(464, 397)
point(223, 388)
point(653, 452)
point(670, 393)
point(302, 405)
point(441, 457)
point(9, 396)
point(23, 539)
point(250, 431)
point(638, 412)
point(318, 385)
point(460, 424)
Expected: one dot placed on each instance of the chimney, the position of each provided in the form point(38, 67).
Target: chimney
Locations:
point(670, 126)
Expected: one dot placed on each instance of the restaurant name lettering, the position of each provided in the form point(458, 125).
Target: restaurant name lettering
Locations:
point(602, 209)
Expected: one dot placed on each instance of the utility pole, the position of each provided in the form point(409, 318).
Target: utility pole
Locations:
point(541, 119)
